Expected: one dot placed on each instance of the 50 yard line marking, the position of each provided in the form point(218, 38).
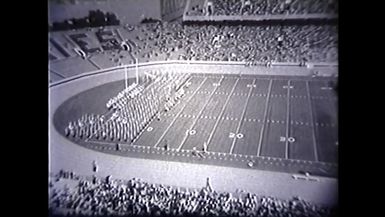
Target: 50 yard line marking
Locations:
point(220, 114)
point(312, 122)
point(199, 114)
point(264, 119)
point(177, 115)
point(242, 116)
point(287, 122)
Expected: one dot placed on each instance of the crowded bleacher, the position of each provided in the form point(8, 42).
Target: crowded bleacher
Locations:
point(263, 7)
point(314, 43)
point(156, 40)
point(291, 43)
point(102, 197)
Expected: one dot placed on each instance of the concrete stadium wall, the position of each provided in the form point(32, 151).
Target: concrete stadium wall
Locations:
point(127, 11)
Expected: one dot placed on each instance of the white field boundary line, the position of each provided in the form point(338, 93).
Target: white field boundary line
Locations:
point(182, 62)
point(180, 112)
point(264, 119)
point(242, 116)
point(219, 154)
point(221, 114)
point(213, 153)
point(199, 114)
point(312, 122)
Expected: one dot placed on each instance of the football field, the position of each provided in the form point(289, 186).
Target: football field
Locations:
point(282, 123)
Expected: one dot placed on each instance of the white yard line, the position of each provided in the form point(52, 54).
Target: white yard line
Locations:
point(264, 119)
point(312, 123)
point(147, 89)
point(180, 112)
point(111, 111)
point(199, 114)
point(242, 116)
point(287, 121)
point(220, 114)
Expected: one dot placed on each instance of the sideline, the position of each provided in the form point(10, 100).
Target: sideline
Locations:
point(184, 65)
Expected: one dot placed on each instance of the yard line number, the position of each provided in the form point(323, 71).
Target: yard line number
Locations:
point(233, 135)
point(283, 139)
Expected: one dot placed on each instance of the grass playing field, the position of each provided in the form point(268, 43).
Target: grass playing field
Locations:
point(278, 123)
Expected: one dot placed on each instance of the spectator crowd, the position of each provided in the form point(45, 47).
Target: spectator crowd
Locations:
point(136, 197)
point(266, 7)
point(289, 43)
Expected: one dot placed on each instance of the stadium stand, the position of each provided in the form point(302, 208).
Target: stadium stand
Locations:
point(102, 197)
point(94, 19)
point(175, 41)
point(157, 40)
point(160, 41)
point(242, 43)
point(264, 7)
point(195, 7)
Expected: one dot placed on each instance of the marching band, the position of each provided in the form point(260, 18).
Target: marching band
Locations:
point(131, 109)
